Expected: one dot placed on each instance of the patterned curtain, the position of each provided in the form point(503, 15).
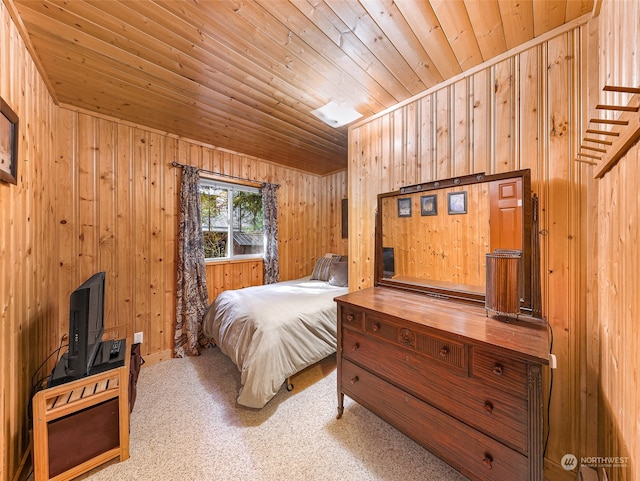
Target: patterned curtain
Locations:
point(270, 213)
point(192, 297)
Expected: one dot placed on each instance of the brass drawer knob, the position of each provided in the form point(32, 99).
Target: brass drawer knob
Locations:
point(354, 379)
point(488, 461)
point(355, 346)
point(497, 370)
point(375, 327)
point(488, 407)
point(350, 317)
point(444, 351)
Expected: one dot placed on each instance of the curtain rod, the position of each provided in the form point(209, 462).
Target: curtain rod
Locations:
point(177, 164)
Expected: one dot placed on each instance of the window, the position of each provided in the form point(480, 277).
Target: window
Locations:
point(231, 220)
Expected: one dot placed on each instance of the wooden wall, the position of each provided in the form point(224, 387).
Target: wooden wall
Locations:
point(28, 330)
point(616, 261)
point(524, 111)
point(97, 194)
point(116, 210)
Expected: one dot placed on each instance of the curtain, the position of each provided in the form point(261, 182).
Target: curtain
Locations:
point(270, 214)
point(192, 297)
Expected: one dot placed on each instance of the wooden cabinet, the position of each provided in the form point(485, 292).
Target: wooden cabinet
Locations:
point(81, 424)
point(466, 386)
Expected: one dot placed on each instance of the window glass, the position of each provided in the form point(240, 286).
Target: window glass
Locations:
point(232, 224)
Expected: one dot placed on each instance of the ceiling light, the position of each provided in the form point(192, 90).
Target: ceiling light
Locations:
point(336, 115)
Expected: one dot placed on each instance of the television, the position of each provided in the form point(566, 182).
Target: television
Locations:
point(86, 325)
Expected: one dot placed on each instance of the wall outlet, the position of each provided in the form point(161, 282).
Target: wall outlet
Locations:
point(553, 362)
point(138, 338)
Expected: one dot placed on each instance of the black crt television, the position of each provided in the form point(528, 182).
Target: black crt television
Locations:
point(86, 325)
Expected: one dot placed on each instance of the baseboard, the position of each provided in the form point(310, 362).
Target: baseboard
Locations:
point(156, 357)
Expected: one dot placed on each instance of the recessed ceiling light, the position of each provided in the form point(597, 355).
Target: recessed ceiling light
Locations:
point(336, 115)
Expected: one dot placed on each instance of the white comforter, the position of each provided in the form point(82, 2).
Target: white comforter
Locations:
point(271, 332)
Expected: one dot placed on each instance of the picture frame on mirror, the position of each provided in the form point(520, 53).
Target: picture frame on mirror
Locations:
point(404, 207)
point(429, 205)
point(457, 202)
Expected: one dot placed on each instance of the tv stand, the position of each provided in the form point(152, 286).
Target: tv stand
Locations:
point(82, 423)
point(104, 361)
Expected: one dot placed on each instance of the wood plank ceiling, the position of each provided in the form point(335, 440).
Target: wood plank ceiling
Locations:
point(244, 75)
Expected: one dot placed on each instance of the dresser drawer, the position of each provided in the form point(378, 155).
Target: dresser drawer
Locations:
point(498, 413)
point(465, 448)
point(501, 371)
point(352, 318)
point(444, 350)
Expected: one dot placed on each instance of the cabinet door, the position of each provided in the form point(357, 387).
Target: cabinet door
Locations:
point(506, 214)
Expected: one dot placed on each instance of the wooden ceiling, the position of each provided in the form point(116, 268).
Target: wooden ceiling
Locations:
point(244, 75)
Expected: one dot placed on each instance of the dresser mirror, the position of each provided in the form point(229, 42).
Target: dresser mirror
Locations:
point(434, 237)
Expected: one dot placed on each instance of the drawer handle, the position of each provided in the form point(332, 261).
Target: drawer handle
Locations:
point(488, 407)
point(488, 461)
point(375, 327)
point(350, 317)
point(355, 346)
point(497, 370)
point(354, 379)
point(444, 351)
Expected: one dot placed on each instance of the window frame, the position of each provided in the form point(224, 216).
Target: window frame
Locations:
point(232, 187)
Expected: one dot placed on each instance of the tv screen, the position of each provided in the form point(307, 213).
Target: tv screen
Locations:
point(86, 325)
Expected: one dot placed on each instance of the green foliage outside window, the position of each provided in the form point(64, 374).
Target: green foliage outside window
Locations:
point(246, 229)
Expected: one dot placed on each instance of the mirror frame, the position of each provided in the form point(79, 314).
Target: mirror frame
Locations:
point(527, 302)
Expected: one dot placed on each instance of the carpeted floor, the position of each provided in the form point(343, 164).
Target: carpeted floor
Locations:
point(186, 426)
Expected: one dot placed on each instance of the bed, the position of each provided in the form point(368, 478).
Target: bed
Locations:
point(273, 331)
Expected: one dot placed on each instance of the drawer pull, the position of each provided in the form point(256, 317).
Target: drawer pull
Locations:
point(350, 317)
point(444, 351)
point(375, 327)
point(497, 370)
point(488, 407)
point(354, 379)
point(355, 346)
point(488, 461)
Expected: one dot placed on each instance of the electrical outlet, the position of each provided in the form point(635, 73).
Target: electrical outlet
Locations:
point(138, 338)
point(553, 362)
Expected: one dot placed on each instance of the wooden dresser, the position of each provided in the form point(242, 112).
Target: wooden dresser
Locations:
point(465, 386)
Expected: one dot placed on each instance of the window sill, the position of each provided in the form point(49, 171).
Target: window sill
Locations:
point(236, 260)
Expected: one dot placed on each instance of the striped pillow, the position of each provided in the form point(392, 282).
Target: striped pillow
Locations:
point(321, 270)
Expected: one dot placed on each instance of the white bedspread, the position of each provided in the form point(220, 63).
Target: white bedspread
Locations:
point(271, 332)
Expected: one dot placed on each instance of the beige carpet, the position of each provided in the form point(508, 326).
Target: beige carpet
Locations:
point(186, 426)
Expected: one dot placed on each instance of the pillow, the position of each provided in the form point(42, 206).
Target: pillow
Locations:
point(321, 270)
point(339, 274)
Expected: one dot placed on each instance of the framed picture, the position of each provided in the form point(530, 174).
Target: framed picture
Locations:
point(429, 205)
point(457, 202)
point(404, 207)
point(8, 144)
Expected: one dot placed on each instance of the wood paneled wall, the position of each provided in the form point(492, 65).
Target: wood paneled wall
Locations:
point(28, 329)
point(97, 194)
point(525, 111)
point(116, 210)
point(616, 260)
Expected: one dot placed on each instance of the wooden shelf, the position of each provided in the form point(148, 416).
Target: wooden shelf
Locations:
point(624, 132)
